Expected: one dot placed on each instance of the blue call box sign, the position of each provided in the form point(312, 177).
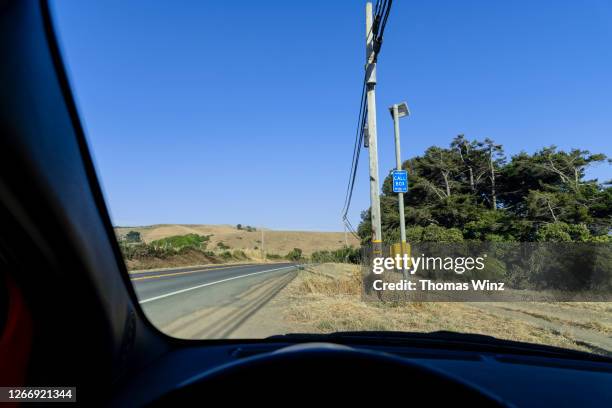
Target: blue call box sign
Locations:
point(400, 181)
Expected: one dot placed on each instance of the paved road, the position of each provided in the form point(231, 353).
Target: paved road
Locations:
point(212, 301)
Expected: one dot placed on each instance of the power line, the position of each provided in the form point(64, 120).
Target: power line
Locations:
point(382, 9)
point(380, 22)
point(356, 150)
point(383, 23)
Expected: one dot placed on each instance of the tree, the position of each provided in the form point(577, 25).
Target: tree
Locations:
point(438, 169)
point(472, 189)
point(239, 226)
point(569, 167)
point(495, 159)
point(435, 233)
point(544, 205)
point(520, 176)
point(473, 160)
point(562, 232)
point(133, 236)
point(295, 254)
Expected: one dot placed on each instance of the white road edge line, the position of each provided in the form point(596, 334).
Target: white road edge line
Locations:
point(212, 283)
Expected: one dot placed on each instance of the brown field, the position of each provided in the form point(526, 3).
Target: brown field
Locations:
point(276, 242)
point(327, 298)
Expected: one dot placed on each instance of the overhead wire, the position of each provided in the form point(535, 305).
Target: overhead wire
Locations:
point(381, 15)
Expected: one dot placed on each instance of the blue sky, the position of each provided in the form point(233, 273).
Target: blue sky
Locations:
point(245, 112)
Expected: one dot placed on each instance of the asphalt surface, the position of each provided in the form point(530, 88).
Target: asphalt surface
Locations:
point(210, 301)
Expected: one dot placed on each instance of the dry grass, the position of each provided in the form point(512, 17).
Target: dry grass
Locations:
point(327, 298)
point(276, 242)
point(585, 321)
point(605, 307)
point(186, 258)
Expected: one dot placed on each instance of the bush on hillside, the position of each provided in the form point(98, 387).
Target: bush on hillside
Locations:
point(342, 255)
point(178, 242)
point(294, 255)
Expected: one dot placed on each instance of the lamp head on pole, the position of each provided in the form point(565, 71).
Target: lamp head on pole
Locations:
point(402, 110)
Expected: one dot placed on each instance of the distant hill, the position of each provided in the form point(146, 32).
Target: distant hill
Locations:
point(276, 242)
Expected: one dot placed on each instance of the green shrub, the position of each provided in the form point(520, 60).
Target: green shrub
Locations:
point(133, 236)
point(342, 255)
point(222, 245)
point(563, 232)
point(295, 254)
point(273, 256)
point(178, 242)
point(436, 233)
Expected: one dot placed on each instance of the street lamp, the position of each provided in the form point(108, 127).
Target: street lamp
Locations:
point(402, 110)
point(399, 111)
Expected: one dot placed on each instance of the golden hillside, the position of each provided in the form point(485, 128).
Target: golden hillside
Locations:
point(276, 242)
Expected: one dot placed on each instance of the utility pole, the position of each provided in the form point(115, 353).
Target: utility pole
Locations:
point(263, 251)
point(395, 112)
point(372, 136)
point(345, 237)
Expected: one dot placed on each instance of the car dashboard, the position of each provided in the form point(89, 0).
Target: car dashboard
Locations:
point(514, 379)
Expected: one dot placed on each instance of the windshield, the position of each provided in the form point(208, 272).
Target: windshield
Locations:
point(276, 167)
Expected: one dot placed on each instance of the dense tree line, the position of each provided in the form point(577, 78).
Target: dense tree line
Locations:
point(472, 191)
